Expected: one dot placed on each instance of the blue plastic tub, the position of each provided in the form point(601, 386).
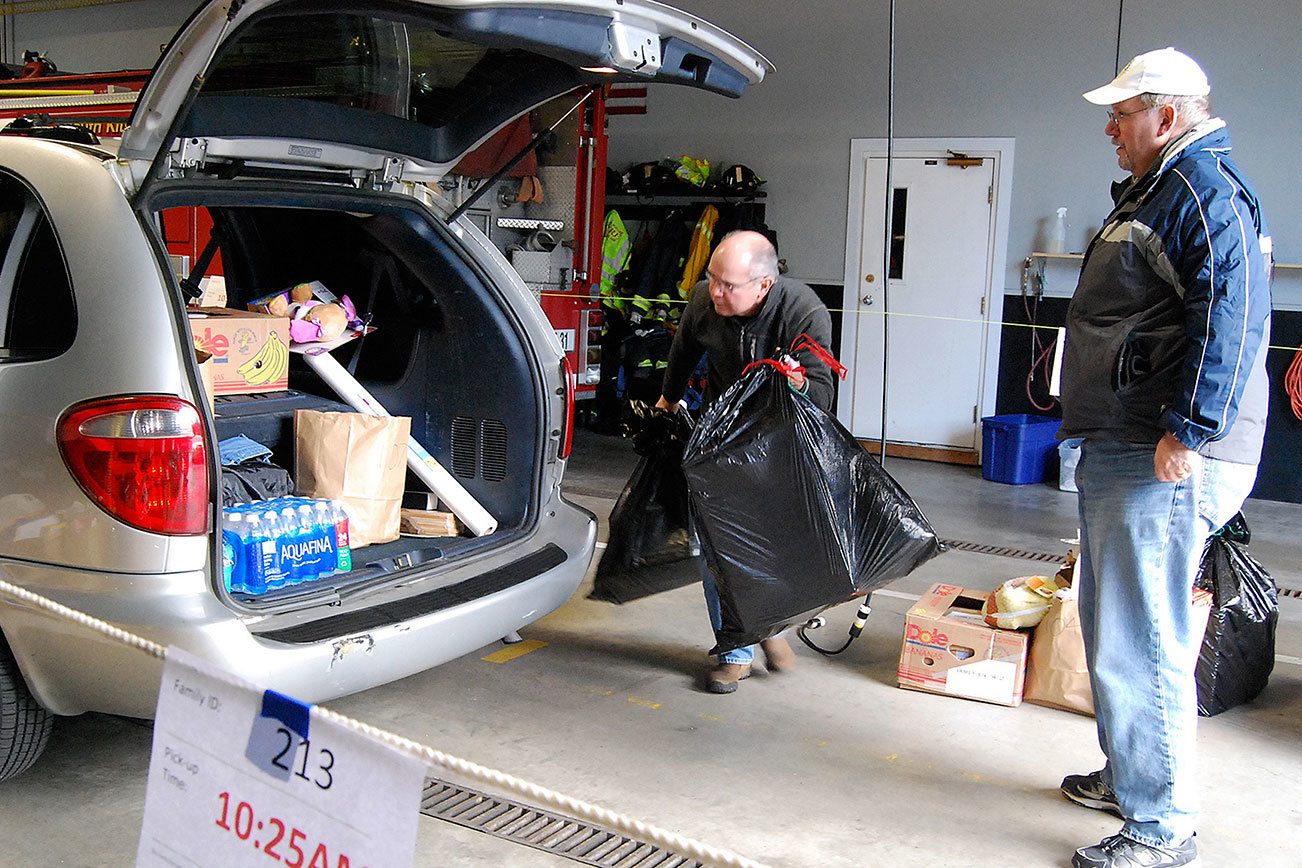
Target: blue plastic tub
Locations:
point(1017, 448)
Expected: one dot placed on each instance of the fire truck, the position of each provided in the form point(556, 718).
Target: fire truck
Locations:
point(102, 102)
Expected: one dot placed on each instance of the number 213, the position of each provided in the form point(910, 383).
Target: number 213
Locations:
point(325, 757)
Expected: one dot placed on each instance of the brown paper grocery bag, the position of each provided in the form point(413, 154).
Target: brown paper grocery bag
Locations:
point(1056, 674)
point(357, 460)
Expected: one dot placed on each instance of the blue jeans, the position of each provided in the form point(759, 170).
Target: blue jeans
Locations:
point(737, 655)
point(1141, 542)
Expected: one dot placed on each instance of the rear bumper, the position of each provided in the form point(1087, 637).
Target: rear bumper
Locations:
point(71, 669)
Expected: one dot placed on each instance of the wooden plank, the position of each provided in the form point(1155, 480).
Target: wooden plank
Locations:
point(942, 454)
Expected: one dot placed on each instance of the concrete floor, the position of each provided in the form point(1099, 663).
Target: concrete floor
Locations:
point(831, 765)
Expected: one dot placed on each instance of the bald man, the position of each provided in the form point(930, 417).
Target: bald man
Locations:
point(744, 311)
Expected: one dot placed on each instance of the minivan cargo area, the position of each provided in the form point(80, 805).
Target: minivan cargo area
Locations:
point(445, 351)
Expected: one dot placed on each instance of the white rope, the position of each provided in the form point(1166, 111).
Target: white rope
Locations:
point(683, 846)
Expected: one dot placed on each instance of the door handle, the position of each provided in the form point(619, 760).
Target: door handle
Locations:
point(868, 299)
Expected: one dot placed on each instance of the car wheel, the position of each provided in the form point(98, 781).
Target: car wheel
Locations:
point(24, 725)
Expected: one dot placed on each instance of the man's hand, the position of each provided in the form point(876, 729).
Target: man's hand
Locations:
point(663, 404)
point(1173, 461)
point(795, 375)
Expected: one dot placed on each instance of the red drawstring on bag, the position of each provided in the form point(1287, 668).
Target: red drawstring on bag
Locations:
point(805, 342)
point(787, 371)
point(791, 368)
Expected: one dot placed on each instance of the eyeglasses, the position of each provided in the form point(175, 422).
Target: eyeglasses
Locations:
point(1116, 117)
point(729, 287)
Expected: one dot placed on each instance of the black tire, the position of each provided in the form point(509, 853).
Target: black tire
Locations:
point(24, 725)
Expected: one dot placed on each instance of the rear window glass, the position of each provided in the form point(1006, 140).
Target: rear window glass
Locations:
point(405, 70)
point(37, 316)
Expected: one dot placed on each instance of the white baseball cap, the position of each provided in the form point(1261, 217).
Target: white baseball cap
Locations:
point(1165, 71)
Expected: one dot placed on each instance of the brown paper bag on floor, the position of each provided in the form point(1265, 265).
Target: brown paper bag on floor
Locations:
point(359, 461)
point(1056, 674)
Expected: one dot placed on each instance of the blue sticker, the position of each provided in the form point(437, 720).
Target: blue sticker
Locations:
point(292, 712)
point(276, 734)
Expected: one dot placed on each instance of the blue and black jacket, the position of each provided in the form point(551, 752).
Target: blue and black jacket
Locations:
point(1169, 325)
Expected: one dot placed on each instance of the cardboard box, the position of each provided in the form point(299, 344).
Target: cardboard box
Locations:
point(949, 649)
point(250, 351)
point(204, 359)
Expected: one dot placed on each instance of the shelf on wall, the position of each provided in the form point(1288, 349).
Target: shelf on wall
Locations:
point(676, 200)
point(1039, 254)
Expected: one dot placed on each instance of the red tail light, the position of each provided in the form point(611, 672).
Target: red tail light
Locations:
point(143, 460)
point(567, 425)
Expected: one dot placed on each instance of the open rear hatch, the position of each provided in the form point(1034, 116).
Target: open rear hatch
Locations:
point(399, 89)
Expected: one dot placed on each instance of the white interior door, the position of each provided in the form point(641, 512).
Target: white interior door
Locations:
point(934, 302)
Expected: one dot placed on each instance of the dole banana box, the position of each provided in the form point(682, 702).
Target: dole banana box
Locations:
point(250, 351)
point(949, 649)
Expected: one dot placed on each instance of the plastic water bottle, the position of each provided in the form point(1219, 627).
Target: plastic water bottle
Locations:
point(313, 533)
point(233, 555)
point(273, 571)
point(323, 523)
point(255, 540)
point(343, 550)
point(290, 544)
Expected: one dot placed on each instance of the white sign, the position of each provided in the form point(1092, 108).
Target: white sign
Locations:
point(1055, 378)
point(241, 776)
point(566, 337)
point(991, 680)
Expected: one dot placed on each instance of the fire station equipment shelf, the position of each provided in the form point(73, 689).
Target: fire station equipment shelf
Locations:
point(626, 201)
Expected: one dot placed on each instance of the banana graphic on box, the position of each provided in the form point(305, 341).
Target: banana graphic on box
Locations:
point(271, 362)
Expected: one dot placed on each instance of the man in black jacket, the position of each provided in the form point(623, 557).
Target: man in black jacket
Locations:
point(742, 312)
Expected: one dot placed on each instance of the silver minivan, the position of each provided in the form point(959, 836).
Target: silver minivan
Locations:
point(314, 135)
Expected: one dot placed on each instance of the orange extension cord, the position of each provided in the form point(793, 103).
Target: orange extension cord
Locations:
point(1293, 383)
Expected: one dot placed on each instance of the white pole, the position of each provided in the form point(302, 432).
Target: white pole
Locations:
point(452, 493)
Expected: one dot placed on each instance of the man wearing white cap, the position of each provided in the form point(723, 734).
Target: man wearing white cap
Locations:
point(1164, 377)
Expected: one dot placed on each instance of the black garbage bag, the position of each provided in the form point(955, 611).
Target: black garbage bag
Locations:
point(793, 514)
point(1238, 650)
point(651, 547)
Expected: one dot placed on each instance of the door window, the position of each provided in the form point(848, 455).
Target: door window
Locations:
point(38, 319)
point(899, 220)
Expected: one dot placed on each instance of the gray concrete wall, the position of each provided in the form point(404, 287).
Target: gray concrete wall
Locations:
point(100, 38)
point(976, 69)
point(963, 69)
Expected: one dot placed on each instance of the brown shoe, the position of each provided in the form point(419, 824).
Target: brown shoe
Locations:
point(724, 677)
point(778, 656)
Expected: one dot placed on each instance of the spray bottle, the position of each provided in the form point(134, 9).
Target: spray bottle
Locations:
point(1058, 232)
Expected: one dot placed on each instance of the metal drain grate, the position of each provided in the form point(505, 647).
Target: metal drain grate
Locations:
point(1002, 551)
point(542, 830)
point(1049, 558)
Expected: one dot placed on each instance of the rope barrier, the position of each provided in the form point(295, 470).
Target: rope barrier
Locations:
point(961, 319)
point(715, 857)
